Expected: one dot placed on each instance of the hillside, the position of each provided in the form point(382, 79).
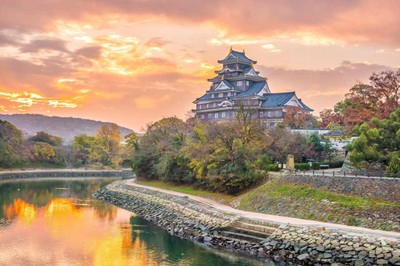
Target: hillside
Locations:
point(65, 127)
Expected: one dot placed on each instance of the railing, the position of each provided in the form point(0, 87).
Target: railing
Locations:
point(344, 174)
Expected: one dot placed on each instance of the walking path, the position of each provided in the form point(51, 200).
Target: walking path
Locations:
point(274, 218)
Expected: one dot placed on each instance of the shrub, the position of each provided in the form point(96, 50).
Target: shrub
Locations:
point(302, 166)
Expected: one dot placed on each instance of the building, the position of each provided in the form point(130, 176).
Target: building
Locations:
point(238, 84)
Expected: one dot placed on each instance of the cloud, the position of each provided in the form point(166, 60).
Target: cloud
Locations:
point(156, 42)
point(8, 38)
point(351, 21)
point(45, 44)
point(92, 52)
point(320, 89)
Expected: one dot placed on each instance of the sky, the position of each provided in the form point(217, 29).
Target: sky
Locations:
point(134, 62)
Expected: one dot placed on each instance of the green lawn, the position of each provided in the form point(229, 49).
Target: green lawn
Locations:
point(189, 190)
point(278, 190)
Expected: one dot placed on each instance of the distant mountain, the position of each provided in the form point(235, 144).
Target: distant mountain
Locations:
point(65, 127)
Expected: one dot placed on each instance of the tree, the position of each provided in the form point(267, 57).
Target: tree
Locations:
point(10, 144)
point(224, 155)
point(377, 99)
point(46, 138)
point(283, 142)
point(329, 117)
point(158, 154)
point(296, 117)
point(88, 150)
point(394, 165)
point(110, 138)
point(377, 140)
point(129, 149)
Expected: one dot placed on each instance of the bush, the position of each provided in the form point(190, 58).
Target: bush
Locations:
point(336, 164)
point(302, 166)
point(394, 166)
point(273, 167)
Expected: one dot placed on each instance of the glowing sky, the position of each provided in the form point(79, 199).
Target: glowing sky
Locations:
point(134, 62)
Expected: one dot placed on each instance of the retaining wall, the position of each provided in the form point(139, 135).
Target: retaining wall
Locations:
point(288, 245)
point(63, 173)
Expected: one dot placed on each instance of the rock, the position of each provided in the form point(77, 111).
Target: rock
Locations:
point(378, 251)
point(303, 256)
point(382, 262)
point(347, 248)
point(327, 255)
point(320, 248)
point(359, 263)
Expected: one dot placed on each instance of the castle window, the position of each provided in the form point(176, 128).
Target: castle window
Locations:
point(229, 94)
point(216, 115)
point(209, 116)
point(212, 95)
point(247, 83)
point(220, 95)
point(239, 83)
point(202, 116)
point(223, 114)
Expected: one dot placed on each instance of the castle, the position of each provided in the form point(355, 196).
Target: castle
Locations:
point(238, 84)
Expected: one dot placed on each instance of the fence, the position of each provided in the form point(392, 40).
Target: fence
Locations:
point(350, 174)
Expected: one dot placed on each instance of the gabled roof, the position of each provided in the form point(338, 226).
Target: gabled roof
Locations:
point(277, 99)
point(228, 84)
point(253, 90)
point(240, 55)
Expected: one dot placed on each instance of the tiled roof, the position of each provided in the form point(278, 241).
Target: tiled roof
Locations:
point(305, 106)
point(277, 99)
point(241, 56)
point(254, 89)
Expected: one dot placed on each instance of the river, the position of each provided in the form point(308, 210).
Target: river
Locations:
point(58, 222)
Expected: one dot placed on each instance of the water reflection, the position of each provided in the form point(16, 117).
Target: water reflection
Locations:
point(59, 223)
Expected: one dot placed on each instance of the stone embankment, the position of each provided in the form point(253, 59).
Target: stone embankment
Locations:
point(12, 175)
point(284, 244)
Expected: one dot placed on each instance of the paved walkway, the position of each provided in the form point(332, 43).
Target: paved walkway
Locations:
point(274, 218)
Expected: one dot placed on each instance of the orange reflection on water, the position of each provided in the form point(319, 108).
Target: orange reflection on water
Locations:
point(63, 216)
point(26, 212)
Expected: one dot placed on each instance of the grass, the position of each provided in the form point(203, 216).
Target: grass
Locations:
point(189, 190)
point(287, 199)
point(278, 190)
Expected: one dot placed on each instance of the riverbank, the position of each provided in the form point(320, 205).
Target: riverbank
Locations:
point(285, 240)
point(54, 173)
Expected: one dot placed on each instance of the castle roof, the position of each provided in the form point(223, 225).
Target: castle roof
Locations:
point(281, 99)
point(255, 89)
point(237, 56)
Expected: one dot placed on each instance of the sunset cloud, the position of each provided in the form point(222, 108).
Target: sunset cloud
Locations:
point(133, 62)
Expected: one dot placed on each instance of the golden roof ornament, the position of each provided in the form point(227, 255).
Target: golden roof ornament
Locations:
point(231, 48)
point(243, 52)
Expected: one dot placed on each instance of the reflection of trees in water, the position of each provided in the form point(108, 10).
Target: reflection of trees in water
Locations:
point(176, 251)
point(41, 191)
point(159, 240)
point(104, 210)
